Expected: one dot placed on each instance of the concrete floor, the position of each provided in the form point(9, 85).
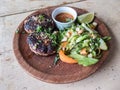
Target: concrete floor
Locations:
point(13, 76)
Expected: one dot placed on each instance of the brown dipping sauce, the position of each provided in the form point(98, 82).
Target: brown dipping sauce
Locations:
point(64, 17)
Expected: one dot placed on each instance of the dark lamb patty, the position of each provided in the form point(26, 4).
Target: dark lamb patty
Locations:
point(32, 22)
point(41, 44)
point(41, 31)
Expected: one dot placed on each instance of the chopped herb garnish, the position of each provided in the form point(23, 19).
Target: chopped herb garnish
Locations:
point(41, 17)
point(23, 32)
point(54, 43)
point(68, 19)
point(49, 29)
point(48, 20)
point(39, 41)
point(53, 37)
point(45, 30)
point(56, 59)
point(106, 38)
point(17, 31)
point(39, 29)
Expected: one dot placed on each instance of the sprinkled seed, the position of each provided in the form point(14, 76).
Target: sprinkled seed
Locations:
point(35, 46)
point(80, 31)
point(94, 23)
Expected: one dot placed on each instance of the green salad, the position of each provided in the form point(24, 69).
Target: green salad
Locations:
point(84, 43)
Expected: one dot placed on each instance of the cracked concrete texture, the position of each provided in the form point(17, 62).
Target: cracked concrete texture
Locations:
point(8, 7)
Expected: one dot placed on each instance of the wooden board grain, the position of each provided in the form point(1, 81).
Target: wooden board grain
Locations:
point(43, 67)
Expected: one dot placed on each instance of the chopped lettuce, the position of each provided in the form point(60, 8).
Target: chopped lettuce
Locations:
point(83, 60)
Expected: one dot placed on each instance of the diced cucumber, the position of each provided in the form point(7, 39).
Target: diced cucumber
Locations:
point(103, 45)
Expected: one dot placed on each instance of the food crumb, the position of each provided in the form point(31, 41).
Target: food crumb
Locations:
point(24, 88)
point(112, 69)
point(113, 78)
point(17, 31)
point(98, 88)
point(7, 59)
point(64, 2)
point(49, 66)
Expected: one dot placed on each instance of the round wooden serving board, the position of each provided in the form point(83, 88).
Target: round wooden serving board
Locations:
point(43, 68)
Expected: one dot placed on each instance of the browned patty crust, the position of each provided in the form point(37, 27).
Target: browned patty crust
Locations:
point(41, 44)
point(32, 22)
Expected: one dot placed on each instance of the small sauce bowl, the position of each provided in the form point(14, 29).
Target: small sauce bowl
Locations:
point(59, 10)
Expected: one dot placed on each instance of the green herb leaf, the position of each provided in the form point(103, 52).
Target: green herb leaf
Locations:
point(23, 32)
point(17, 31)
point(41, 17)
point(68, 19)
point(39, 41)
point(39, 29)
point(49, 29)
point(106, 38)
point(56, 59)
